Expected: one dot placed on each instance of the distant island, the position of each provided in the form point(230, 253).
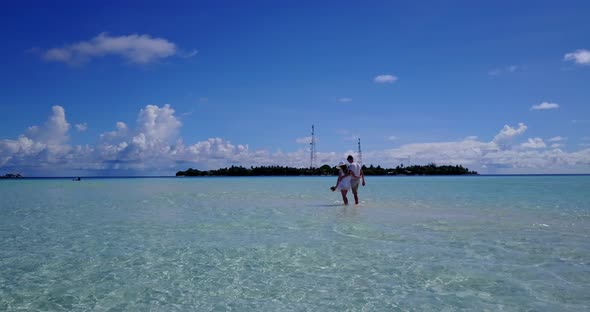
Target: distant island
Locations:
point(11, 176)
point(326, 170)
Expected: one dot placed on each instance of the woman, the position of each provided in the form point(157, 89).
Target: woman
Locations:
point(343, 182)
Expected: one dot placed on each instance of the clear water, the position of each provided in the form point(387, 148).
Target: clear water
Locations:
point(517, 243)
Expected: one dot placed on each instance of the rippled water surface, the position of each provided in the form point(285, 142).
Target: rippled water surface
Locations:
point(517, 243)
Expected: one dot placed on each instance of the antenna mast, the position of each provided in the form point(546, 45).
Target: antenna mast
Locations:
point(312, 148)
point(360, 154)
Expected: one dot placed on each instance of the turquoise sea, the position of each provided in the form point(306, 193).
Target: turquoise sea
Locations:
point(477, 243)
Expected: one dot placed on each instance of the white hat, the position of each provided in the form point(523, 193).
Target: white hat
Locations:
point(342, 164)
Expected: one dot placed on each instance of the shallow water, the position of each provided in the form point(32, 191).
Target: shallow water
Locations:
point(502, 243)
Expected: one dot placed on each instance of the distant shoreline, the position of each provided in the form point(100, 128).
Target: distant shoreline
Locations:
point(269, 176)
point(327, 170)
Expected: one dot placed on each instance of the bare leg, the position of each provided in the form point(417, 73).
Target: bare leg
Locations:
point(344, 198)
point(354, 190)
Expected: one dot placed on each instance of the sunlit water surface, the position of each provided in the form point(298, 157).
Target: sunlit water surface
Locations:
point(517, 243)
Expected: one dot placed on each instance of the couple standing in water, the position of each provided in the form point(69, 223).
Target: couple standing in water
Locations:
point(349, 178)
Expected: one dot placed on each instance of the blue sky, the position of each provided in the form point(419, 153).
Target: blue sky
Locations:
point(149, 88)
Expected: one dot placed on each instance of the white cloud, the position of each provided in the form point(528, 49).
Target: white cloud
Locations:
point(304, 140)
point(581, 56)
point(190, 54)
point(153, 146)
point(464, 152)
point(140, 49)
point(507, 133)
point(82, 127)
point(503, 70)
point(534, 143)
point(45, 143)
point(545, 106)
point(113, 135)
point(54, 132)
point(489, 156)
point(557, 145)
point(385, 79)
point(392, 138)
point(158, 124)
point(344, 100)
point(557, 139)
point(155, 139)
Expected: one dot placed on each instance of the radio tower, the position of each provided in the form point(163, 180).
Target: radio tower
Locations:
point(360, 155)
point(312, 148)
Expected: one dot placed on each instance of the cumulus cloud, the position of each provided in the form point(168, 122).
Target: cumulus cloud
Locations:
point(140, 49)
point(44, 143)
point(216, 149)
point(82, 127)
point(534, 143)
point(385, 79)
point(490, 156)
point(581, 56)
point(120, 132)
point(153, 146)
point(545, 106)
point(464, 152)
point(55, 130)
point(155, 138)
point(507, 133)
point(158, 124)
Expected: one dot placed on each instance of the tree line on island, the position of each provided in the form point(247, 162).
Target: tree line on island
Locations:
point(11, 176)
point(430, 169)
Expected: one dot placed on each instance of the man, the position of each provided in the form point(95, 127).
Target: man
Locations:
point(356, 171)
